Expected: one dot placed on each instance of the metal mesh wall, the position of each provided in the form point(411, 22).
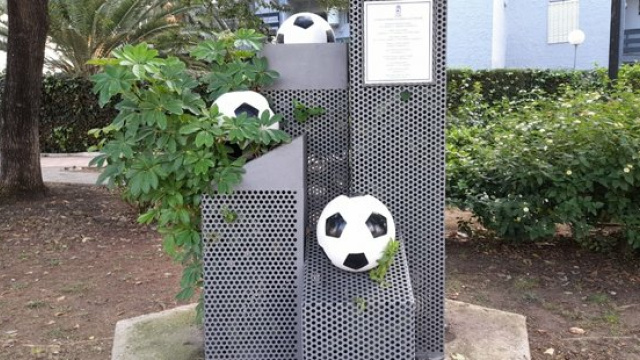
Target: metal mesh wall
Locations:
point(367, 142)
point(336, 327)
point(398, 157)
point(327, 144)
point(252, 275)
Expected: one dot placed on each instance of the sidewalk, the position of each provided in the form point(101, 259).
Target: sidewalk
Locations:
point(69, 168)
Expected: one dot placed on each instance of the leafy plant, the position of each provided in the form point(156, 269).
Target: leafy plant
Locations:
point(168, 145)
point(302, 112)
point(230, 66)
point(574, 161)
point(379, 273)
point(61, 136)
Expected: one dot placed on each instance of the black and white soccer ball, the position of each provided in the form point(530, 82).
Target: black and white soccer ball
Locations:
point(354, 232)
point(305, 28)
point(234, 103)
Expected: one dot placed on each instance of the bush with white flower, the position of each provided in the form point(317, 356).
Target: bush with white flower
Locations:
point(572, 161)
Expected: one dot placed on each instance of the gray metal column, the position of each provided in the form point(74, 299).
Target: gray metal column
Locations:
point(398, 157)
point(253, 265)
point(315, 75)
point(335, 325)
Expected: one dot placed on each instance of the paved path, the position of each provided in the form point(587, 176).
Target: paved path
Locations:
point(68, 168)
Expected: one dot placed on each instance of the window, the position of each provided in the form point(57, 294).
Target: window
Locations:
point(562, 19)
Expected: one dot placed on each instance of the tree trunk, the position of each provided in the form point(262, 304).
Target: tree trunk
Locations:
point(20, 172)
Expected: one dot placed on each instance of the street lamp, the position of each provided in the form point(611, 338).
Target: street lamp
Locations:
point(576, 37)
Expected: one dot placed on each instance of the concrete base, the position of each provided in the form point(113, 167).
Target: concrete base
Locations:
point(478, 333)
point(473, 333)
point(166, 335)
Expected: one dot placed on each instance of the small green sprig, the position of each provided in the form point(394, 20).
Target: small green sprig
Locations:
point(361, 303)
point(302, 112)
point(228, 215)
point(405, 96)
point(379, 273)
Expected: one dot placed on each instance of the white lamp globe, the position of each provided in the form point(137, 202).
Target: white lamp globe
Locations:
point(354, 232)
point(576, 37)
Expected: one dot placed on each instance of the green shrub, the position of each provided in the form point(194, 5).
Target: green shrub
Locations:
point(630, 75)
point(573, 161)
point(168, 145)
point(69, 109)
point(497, 88)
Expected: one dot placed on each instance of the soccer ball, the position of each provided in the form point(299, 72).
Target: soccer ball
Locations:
point(354, 232)
point(305, 28)
point(234, 103)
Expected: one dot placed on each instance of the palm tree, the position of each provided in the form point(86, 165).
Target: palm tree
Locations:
point(81, 30)
point(84, 29)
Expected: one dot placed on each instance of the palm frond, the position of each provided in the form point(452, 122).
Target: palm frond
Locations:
point(120, 15)
point(85, 29)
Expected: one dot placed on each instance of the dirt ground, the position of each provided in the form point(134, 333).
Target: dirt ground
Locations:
point(578, 304)
point(71, 266)
point(75, 263)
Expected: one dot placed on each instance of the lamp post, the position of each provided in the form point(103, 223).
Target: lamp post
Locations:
point(576, 37)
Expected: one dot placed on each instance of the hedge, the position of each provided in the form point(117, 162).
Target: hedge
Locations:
point(70, 109)
point(516, 84)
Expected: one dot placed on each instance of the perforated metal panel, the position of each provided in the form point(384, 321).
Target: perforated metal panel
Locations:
point(251, 297)
point(253, 261)
point(348, 316)
point(398, 156)
point(327, 144)
point(368, 142)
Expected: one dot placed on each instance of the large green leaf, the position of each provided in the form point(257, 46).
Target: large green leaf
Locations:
point(210, 51)
point(114, 80)
point(249, 39)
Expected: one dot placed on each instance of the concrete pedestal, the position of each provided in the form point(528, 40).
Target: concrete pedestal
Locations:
point(474, 332)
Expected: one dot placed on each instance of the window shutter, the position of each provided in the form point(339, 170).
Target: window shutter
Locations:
point(562, 18)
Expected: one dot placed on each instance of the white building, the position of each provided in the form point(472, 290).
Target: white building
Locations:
point(489, 34)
